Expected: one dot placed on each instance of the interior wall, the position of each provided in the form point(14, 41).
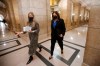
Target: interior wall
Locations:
point(41, 10)
point(65, 12)
point(70, 11)
point(17, 14)
point(19, 9)
point(11, 16)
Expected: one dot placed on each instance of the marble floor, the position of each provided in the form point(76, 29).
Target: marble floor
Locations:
point(14, 51)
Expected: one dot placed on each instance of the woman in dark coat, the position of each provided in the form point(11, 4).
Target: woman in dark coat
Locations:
point(57, 32)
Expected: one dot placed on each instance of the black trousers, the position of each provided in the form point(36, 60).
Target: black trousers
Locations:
point(53, 41)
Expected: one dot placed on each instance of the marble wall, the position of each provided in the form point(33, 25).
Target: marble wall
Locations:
point(92, 51)
point(63, 5)
point(18, 14)
point(41, 10)
point(70, 11)
point(19, 9)
point(11, 16)
point(76, 9)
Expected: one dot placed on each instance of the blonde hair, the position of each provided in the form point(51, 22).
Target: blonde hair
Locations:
point(31, 14)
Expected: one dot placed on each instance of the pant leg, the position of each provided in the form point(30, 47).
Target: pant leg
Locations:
point(32, 50)
point(33, 46)
point(53, 41)
point(60, 42)
point(30, 35)
point(38, 45)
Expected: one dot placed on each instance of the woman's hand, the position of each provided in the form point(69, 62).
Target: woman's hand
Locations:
point(18, 33)
point(29, 31)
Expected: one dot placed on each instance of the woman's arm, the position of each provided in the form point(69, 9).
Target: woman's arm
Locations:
point(63, 28)
point(36, 30)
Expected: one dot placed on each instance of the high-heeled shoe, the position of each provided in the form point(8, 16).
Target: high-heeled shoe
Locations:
point(50, 57)
point(30, 59)
point(61, 51)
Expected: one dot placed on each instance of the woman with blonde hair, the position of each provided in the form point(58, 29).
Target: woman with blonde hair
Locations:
point(33, 36)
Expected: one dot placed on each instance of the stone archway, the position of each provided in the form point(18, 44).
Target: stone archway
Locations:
point(4, 10)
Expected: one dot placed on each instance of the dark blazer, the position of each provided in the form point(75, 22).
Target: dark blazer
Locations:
point(59, 29)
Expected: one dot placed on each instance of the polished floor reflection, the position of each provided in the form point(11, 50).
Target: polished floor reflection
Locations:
point(14, 51)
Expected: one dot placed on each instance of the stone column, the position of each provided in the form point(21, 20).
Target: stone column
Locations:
point(16, 13)
point(11, 15)
point(77, 13)
point(92, 51)
point(65, 12)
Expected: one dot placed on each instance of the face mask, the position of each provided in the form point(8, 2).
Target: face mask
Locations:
point(30, 19)
point(54, 17)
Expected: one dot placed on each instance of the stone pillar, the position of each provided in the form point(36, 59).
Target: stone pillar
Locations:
point(65, 12)
point(11, 15)
point(16, 13)
point(92, 51)
point(77, 13)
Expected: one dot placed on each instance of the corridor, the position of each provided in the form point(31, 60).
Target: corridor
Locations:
point(14, 50)
point(44, 20)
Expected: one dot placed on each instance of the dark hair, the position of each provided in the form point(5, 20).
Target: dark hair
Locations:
point(56, 14)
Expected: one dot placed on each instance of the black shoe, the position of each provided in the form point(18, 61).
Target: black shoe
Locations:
point(61, 51)
point(50, 57)
point(18, 36)
point(30, 59)
point(40, 49)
